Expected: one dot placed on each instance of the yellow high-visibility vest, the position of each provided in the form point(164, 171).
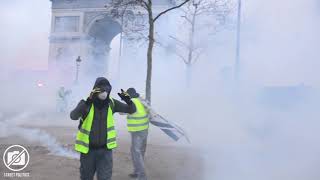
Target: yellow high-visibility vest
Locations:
point(138, 121)
point(82, 141)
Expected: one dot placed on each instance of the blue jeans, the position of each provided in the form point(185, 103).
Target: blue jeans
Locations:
point(97, 160)
point(138, 149)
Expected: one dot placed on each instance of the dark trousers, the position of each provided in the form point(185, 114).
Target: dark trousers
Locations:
point(97, 160)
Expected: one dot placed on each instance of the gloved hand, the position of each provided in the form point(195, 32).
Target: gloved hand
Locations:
point(125, 96)
point(94, 91)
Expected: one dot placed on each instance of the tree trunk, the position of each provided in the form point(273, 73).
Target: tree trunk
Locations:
point(237, 63)
point(149, 54)
point(191, 39)
point(191, 49)
point(188, 75)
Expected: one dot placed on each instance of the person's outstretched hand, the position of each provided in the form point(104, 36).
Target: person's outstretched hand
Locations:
point(125, 96)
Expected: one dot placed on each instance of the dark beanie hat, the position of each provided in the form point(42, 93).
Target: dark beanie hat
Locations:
point(133, 93)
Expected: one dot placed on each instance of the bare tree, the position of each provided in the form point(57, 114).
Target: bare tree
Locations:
point(146, 5)
point(214, 12)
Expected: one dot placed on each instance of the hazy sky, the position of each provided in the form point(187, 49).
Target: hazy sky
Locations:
point(24, 33)
point(279, 39)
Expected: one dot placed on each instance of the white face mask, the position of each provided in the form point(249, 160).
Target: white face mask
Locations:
point(103, 96)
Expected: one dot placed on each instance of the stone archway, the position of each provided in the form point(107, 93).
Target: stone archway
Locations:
point(85, 33)
point(100, 32)
point(103, 27)
point(83, 28)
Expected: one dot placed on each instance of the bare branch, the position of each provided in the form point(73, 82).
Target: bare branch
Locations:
point(145, 5)
point(182, 58)
point(170, 9)
point(175, 52)
point(195, 59)
point(187, 19)
point(179, 41)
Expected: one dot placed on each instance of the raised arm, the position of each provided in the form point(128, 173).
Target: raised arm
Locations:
point(129, 108)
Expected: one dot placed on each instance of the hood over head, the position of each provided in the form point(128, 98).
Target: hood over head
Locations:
point(103, 84)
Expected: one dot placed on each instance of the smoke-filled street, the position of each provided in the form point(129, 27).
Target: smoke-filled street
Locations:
point(60, 163)
point(159, 89)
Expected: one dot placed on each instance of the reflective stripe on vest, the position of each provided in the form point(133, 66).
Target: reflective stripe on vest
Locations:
point(82, 141)
point(138, 121)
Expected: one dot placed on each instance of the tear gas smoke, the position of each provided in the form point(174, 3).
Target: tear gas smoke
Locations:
point(266, 126)
point(10, 127)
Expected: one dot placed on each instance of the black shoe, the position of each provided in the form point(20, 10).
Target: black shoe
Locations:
point(133, 175)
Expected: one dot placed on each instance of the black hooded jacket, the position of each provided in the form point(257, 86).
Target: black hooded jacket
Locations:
point(98, 132)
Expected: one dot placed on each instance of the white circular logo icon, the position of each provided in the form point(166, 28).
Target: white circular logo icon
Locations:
point(16, 158)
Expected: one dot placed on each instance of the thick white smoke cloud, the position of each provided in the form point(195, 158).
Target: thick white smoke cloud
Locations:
point(24, 36)
point(279, 40)
point(237, 135)
point(12, 127)
point(242, 137)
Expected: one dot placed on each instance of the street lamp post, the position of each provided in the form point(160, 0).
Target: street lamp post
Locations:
point(78, 61)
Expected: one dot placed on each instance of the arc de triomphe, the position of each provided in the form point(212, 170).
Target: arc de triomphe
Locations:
point(84, 28)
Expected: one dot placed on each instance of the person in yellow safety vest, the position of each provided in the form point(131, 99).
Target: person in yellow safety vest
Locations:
point(96, 137)
point(138, 125)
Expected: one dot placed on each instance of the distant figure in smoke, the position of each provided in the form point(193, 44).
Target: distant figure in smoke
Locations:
point(97, 136)
point(138, 125)
point(62, 101)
